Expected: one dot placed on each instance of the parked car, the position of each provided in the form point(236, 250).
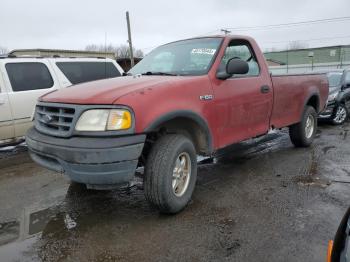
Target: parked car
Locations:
point(24, 79)
point(339, 248)
point(338, 105)
point(187, 98)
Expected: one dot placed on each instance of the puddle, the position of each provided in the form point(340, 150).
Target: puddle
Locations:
point(306, 180)
point(344, 134)
point(326, 149)
point(249, 149)
point(18, 238)
point(8, 151)
point(19, 251)
point(9, 232)
point(313, 169)
point(81, 208)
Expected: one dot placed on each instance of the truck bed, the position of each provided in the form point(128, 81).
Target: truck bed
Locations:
point(289, 92)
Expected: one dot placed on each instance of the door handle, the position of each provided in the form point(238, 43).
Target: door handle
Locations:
point(265, 89)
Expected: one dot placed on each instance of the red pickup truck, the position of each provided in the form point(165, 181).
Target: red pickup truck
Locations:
point(186, 98)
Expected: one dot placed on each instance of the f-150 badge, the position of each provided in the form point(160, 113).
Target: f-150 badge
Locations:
point(206, 97)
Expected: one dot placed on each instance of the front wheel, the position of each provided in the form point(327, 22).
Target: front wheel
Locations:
point(171, 173)
point(340, 115)
point(303, 133)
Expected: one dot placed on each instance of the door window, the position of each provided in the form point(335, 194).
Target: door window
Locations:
point(347, 79)
point(242, 50)
point(29, 76)
point(79, 72)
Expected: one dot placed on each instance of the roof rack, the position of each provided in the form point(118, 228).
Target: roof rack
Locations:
point(61, 53)
point(50, 56)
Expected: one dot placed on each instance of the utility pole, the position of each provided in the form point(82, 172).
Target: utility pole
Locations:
point(311, 55)
point(341, 57)
point(287, 59)
point(225, 31)
point(129, 40)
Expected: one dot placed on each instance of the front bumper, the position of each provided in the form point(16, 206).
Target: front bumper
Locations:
point(98, 162)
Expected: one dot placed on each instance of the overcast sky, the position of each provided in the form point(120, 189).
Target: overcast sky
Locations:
point(74, 24)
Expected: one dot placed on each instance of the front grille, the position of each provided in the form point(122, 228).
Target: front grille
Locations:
point(55, 119)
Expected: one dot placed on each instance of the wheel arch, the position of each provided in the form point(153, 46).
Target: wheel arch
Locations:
point(188, 123)
point(314, 101)
point(344, 98)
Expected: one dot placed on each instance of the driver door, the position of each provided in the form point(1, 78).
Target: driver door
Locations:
point(244, 102)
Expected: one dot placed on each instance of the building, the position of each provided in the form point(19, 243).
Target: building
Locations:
point(310, 59)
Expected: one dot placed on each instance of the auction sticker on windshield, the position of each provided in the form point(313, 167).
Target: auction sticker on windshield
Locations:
point(208, 51)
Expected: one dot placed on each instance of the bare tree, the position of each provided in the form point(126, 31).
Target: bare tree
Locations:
point(3, 50)
point(92, 47)
point(121, 51)
point(138, 53)
point(293, 45)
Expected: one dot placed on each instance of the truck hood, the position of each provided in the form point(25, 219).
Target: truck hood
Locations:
point(105, 91)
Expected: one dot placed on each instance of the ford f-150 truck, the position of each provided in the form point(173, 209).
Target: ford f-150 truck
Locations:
point(186, 98)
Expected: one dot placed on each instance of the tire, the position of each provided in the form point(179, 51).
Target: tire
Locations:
point(300, 135)
point(163, 179)
point(340, 115)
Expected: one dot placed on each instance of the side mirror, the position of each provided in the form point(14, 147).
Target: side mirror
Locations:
point(345, 86)
point(234, 66)
point(346, 82)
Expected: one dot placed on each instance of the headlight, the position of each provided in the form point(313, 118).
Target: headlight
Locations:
point(333, 96)
point(104, 120)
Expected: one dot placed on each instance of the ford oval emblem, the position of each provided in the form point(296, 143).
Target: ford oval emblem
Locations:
point(47, 119)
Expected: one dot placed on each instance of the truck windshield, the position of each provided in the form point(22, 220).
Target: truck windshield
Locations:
point(187, 57)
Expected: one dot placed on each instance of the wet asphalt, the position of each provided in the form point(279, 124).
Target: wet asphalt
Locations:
point(263, 200)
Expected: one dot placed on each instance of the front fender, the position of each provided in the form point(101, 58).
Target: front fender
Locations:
point(188, 114)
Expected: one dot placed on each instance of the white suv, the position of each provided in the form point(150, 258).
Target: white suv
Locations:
point(24, 79)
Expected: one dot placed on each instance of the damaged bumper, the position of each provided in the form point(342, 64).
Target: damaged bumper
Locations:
point(98, 162)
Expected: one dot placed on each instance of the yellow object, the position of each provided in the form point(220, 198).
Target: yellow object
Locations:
point(329, 251)
point(119, 120)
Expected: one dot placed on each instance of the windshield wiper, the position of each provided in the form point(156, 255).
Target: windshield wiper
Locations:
point(149, 73)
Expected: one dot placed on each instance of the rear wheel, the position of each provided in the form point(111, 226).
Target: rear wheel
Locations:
point(303, 133)
point(340, 115)
point(171, 173)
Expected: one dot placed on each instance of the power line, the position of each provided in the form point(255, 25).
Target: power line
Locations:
point(272, 26)
point(326, 20)
point(293, 24)
point(307, 40)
